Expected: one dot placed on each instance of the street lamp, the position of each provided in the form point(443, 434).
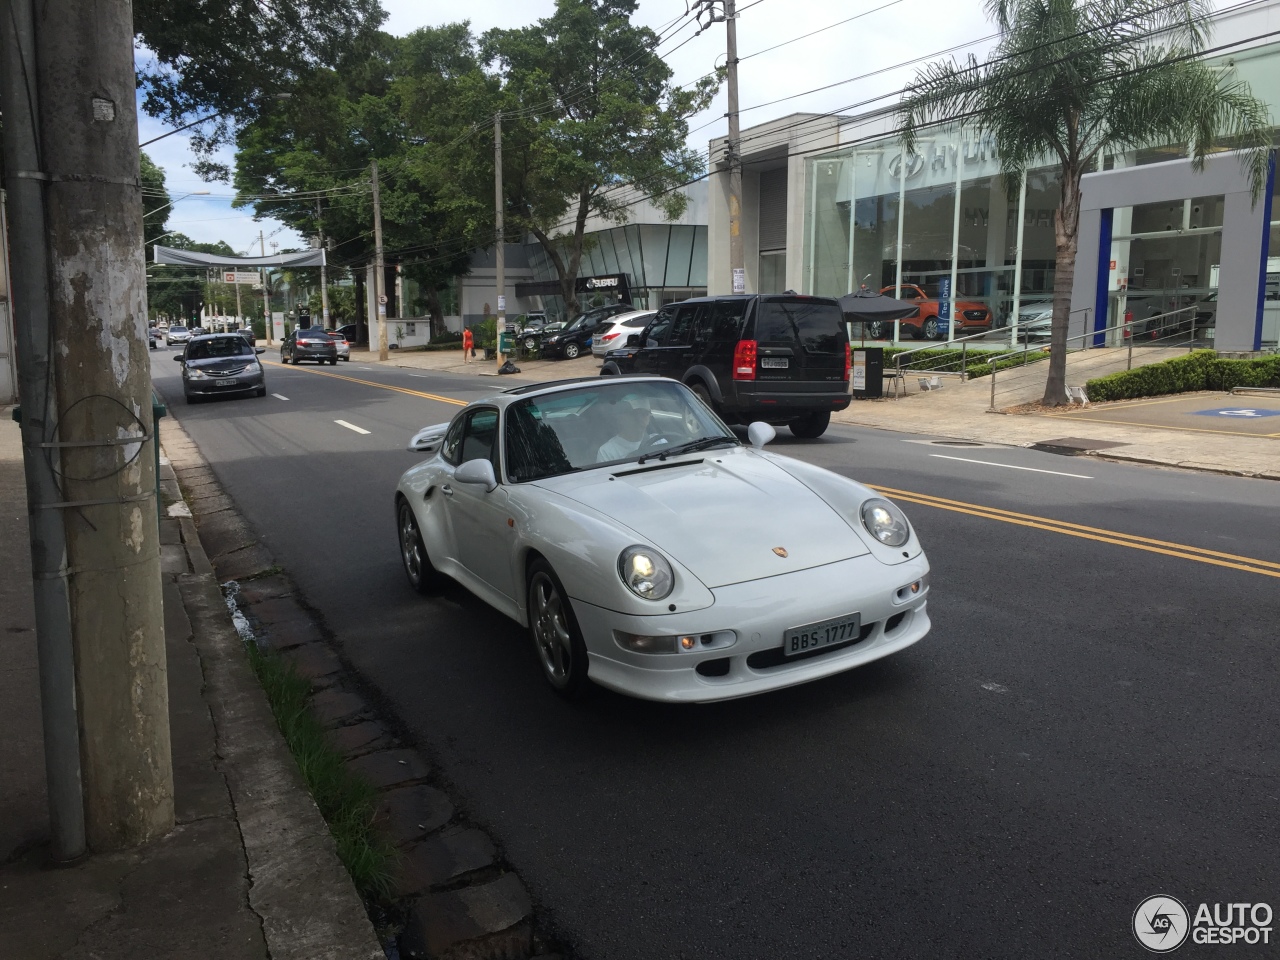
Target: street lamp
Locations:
point(193, 193)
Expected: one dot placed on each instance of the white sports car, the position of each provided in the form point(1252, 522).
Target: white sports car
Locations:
point(649, 551)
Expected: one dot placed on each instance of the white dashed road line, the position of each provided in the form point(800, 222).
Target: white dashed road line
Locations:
point(280, 396)
point(1010, 466)
point(351, 426)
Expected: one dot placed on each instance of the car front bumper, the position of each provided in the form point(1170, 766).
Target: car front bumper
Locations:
point(244, 383)
point(760, 612)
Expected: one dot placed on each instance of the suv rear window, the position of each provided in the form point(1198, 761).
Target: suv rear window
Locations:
point(818, 327)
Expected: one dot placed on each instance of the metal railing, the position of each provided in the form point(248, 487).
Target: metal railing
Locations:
point(1088, 342)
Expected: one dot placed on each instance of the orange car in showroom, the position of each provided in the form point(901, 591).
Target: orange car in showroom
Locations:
point(925, 322)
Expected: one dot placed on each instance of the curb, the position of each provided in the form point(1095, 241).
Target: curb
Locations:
point(460, 900)
point(308, 906)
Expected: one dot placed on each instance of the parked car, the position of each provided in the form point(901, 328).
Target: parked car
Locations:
point(573, 340)
point(779, 358)
point(177, 333)
point(614, 331)
point(308, 343)
point(708, 570)
point(1035, 321)
point(925, 323)
point(340, 341)
point(219, 364)
point(248, 334)
point(153, 336)
point(355, 332)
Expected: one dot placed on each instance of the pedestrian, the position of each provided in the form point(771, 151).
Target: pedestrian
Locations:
point(468, 345)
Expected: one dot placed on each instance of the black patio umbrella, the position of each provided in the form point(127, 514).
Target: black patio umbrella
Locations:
point(865, 305)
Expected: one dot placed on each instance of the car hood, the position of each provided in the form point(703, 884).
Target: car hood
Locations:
point(721, 514)
point(221, 363)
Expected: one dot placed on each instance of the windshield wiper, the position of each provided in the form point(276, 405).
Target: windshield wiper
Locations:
point(702, 443)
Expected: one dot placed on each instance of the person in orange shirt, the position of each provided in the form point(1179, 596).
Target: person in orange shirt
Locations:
point(468, 344)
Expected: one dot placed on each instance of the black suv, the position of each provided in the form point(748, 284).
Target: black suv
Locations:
point(573, 340)
point(778, 358)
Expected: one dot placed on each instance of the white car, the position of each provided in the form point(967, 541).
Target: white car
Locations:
point(613, 332)
point(649, 551)
point(344, 346)
point(177, 334)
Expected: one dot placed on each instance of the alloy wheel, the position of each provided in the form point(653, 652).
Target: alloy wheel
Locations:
point(551, 629)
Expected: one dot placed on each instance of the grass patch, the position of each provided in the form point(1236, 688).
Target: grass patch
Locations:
point(347, 802)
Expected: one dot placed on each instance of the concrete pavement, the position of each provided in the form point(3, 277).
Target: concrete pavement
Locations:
point(250, 870)
point(960, 411)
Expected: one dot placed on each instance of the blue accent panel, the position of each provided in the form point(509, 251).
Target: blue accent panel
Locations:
point(1266, 252)
point(1104, 276)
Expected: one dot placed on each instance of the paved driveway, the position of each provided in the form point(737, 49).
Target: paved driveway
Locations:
point(1241, 415)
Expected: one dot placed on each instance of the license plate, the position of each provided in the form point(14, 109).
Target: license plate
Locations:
point(229, 382)
point(775, 363)
point(822, 634)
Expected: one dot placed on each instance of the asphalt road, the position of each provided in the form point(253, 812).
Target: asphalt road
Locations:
point(1091, 721)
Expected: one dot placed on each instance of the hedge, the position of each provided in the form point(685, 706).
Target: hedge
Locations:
point(1200, 370)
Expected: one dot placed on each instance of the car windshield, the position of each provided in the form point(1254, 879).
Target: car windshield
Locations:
point(220, 347)
point(604, 424)
point(177, 329)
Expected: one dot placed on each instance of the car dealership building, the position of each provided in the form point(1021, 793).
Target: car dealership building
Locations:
point(832, 202)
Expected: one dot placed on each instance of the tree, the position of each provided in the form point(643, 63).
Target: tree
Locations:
point(155, 201)
point(588, 107)
point(228, 59)
point(1072, 78)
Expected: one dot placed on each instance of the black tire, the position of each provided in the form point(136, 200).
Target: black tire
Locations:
point(282, 358)
point(571, 351)
point(553, 629)
point(193, 398)
point(413, 552)
point(610, 369)
point(333, 362)
point(811, 425)
point(260, 392)
point(932, 329)
point(702, 393)
point(875, 329)
point(531, 344)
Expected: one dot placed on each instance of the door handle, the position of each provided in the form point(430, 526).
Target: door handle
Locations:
point(447, 490)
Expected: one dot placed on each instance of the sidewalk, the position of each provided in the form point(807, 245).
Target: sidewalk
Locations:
point(250, 869)
point(956, 412)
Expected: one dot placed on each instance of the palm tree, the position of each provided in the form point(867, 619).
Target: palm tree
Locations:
point(1070, 79)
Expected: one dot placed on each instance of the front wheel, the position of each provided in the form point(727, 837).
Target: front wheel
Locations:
point(570, 351)
point(811, 425)
point(932, 330)
point(531, 345)
point(413, 552)
point(557, 641)
point(875, 329)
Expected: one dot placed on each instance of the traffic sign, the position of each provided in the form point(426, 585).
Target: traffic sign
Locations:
point(382, 298)
point(241, 276)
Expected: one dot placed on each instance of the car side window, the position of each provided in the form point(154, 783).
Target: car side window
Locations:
point(452, 445)
point(660, 327)
point(682, 327)
point(479, 435)
point(726, 319)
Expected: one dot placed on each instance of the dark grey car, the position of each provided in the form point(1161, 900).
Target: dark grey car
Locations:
point(309, 343)
point(221, 364)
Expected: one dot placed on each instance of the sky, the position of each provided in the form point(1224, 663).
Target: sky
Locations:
point(885, 33)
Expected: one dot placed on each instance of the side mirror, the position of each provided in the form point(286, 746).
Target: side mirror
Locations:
point(760, 433)
point(477, 471)
point(633, 340)
point(427, 440)
point(259, 349)
point(178, 357)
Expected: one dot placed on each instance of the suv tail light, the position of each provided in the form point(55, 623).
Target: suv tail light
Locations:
point(848, 361)
point(744, 360)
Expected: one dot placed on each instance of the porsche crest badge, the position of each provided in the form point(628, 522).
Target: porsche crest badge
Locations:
point(780, 551)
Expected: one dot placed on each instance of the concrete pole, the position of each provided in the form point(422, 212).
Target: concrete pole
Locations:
point(955, 244)
point(324, 272)
point(266, 297)
point(1017, 262)
point(25, 183)
point(500, 251)
point(379, 275)
point(737, 257)
point(902, 216)
point(97, 306)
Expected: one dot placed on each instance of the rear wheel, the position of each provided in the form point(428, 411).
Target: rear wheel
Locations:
point(702, 393)
point(557, 641)
point(875, 329)
point(570, 351)
point(610, 369)
point(811, 425)
point(333, 362)
point(413, 552)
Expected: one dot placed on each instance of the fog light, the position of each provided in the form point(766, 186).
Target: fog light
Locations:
point(688, 643)
point(911, 590)
point(640, 643)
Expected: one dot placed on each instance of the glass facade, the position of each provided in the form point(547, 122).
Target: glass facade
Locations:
point(663, 262)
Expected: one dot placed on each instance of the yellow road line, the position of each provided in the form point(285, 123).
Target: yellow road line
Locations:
point(1150, 545)
point(1156, 426)
point(372, 383)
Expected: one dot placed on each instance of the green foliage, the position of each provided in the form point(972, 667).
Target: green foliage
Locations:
point(1201, 370)
point(588, 108)
point(155, 201)
point(1070, 79)
point(342, 305)
point(347, 802)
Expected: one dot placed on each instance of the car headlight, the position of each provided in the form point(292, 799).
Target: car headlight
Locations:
point(195, 373)
point(885, 522)
point(646, 573)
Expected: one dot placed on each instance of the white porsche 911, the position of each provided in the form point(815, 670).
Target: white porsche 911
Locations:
point(649, 551)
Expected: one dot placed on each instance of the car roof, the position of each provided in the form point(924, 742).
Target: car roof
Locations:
point(564, 386)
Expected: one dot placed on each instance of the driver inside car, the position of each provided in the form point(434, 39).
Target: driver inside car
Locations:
point(631, 425)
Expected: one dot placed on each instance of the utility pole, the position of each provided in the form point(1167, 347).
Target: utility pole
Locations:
point(324, 272)
point(737, 259)
point(33, 340)
point(379, 281)
point(96, 295)
point(266, 297)
point(500, 325)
